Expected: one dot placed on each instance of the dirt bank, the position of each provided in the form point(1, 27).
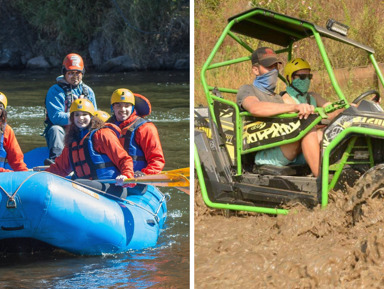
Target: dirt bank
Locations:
point(305, 249)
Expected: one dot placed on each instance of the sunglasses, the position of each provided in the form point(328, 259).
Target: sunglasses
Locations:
point(73, 72)
point(303, 76)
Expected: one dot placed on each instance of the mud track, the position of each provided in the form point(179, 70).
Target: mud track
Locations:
point(316, 248)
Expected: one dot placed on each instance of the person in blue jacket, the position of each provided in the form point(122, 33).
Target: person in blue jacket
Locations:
point(58, 100)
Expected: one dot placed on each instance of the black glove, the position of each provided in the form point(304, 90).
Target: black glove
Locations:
point(138, 174)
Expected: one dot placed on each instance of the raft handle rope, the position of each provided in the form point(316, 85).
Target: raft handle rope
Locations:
point(165, 197)
point(155, 215)
point(11, 202)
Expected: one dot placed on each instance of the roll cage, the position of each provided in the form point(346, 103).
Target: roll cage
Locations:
point(284, 31)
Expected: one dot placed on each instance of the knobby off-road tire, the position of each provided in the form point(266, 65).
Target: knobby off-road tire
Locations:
point(369, 186)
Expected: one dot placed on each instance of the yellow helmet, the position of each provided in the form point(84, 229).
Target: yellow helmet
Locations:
point(293, 66)
point(102, 115)
point(122, 95)
point(82, 104)
point(3, 99)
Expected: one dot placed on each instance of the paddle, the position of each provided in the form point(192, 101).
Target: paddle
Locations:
point(178, 182)
point(164, 179)
point(175, 178)
point(183, 171)
point(40, 168)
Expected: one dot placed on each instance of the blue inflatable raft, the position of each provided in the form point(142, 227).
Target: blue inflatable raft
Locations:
point(57, 211)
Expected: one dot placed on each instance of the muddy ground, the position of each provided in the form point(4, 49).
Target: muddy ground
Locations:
point(318, 248)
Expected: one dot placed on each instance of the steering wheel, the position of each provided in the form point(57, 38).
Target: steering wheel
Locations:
point(365, 94)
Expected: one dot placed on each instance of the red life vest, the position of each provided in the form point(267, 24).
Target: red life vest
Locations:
point(89, 164)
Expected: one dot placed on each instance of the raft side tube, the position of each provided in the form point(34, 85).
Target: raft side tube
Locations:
point(14, 221)
point(68, 216)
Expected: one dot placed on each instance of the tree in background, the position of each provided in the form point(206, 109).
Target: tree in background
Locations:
point(143, 29)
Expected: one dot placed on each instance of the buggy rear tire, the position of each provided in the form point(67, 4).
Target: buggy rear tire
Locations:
point(370, 187)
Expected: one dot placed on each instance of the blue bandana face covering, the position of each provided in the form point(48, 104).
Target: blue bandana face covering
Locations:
point(267, 81)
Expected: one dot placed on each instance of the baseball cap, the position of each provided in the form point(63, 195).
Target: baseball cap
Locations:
point(264, 56)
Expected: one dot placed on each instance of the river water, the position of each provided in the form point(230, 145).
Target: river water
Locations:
point(167, 264)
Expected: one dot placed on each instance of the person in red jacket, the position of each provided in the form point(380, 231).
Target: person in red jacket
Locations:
point(92, 149)
point(9, 147)
point(140, 137)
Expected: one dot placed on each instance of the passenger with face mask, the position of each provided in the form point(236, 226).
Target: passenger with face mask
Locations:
point(297, 72)
point(261, 100)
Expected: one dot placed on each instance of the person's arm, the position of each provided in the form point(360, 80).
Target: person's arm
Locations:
point(148, 139)
point(14, 154)
point(55, 105)
point(106, 142)
point(3, 170)
point(288, 99)
point(267, 109)
point(321, 102)
point(62, 165)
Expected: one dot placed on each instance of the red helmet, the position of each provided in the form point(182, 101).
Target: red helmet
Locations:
point(73, 61)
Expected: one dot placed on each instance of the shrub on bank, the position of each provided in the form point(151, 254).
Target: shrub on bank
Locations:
point(149, 32)
point(363, 18)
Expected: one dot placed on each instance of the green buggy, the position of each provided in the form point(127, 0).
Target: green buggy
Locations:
point(226, 139)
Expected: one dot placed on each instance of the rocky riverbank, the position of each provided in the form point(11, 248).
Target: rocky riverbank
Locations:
point(24, 46)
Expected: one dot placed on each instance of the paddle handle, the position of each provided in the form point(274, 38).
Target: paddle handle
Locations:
point(179, 182)
point(40, 168)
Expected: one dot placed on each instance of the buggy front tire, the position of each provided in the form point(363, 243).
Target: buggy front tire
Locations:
point(369, 188)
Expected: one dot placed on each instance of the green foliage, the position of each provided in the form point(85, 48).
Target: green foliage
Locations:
point(154, 28)
point(130, 27)
point(71, 23)
point(363, 17)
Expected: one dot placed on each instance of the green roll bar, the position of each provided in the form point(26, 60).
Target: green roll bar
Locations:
point(208, 65)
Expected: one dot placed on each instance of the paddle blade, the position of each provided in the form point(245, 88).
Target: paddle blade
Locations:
point(165, 180)
point(160, 180)
point(183, 171)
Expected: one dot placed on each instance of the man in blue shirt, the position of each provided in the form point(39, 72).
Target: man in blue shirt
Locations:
point(58, 100)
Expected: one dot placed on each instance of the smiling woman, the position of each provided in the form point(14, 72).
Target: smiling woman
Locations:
point(81, 119)
point(92, 148)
